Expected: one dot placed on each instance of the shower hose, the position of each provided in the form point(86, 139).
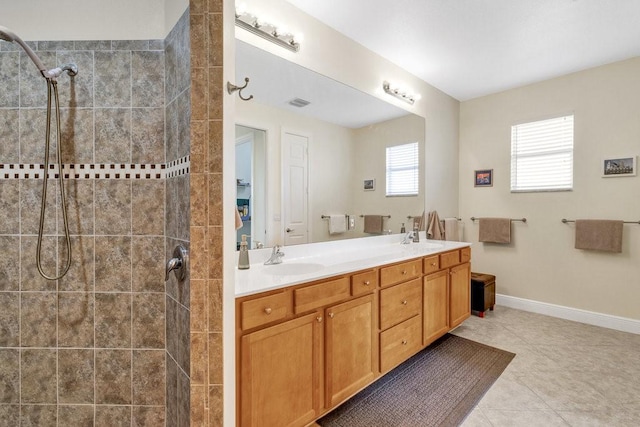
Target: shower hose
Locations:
point(52, 86)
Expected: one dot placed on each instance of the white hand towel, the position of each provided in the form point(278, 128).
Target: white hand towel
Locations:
point(337, 224)
point(451, 229)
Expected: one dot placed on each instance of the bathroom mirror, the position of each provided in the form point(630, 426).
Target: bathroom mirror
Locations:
point(344, 134)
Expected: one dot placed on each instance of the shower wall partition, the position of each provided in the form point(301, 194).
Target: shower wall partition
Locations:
point(108, 344)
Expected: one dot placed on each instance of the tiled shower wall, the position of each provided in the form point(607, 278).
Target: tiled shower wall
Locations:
point(90, 348)
point(178, 113)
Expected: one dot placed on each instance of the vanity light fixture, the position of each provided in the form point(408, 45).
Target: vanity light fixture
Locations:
point(267, 31)
point(405, 96)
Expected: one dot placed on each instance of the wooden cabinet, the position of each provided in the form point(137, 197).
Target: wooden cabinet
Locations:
point(435, 312)
point(459, 294)
point(351, 348)
point(304, 349)
point(281, 373)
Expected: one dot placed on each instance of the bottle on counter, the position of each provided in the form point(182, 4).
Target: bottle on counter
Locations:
point(402, 229)
point(243, 256)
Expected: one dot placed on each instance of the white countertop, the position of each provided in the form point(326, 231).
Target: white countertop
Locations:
point(313, 261)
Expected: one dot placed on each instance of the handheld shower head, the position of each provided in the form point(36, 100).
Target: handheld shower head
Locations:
point(8, 35)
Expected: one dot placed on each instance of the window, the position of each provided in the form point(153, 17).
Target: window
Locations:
point(402, 170)
point(542, 155)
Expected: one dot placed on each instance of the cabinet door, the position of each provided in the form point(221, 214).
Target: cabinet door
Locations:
point(459, 294)
point(351, 344)
point(281, 372)
point(435, 306)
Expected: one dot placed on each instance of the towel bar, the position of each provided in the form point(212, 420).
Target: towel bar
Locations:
point(329, 216)
point(383, 216)
point(624, 222)
point(473, 218)
point(410, 217)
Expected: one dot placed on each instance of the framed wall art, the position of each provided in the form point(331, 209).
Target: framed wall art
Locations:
point(483, 178)
point(619, 166)
point(369, 184)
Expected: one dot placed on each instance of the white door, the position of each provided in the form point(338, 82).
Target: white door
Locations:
point(295, 188)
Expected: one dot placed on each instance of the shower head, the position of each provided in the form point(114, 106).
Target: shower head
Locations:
point(9, 36)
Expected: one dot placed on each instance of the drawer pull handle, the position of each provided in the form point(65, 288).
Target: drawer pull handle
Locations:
point(433, 264)
point(404, 272)
point(404, 302)
point(404, 342)
point(267, 310)
point(367, 283)
point(319, 319)
point(331, 315)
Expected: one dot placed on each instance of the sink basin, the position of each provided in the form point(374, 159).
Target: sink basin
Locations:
point(292, 269)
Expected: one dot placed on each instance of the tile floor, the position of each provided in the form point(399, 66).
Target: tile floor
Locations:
point(564, 373)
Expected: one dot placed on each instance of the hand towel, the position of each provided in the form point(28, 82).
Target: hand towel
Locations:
point(599, 235)
point(494, 230)
point(238, 219)
point(373, 224)
point(337, 224)
point(451, 232)
point(435, 231)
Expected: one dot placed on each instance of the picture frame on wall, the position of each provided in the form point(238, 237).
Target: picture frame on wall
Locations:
point(369, 185)
point(615, 167)
point(483, 178)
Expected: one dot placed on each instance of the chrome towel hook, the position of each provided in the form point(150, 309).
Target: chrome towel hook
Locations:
point(232, 88)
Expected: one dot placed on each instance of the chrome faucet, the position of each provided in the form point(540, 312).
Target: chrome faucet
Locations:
point(276, 256)
point(408, 238)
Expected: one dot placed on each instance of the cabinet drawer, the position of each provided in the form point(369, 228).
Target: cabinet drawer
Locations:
point(363, 283)
point(465, 254)
point(264, 310)
point(319, 295)
point(400, 272)
point(450, 258)
point(400, 342)
point(431, 264)
point(400, 302)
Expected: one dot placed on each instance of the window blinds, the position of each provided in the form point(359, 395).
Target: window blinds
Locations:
point(542, 155)
point(402, 170)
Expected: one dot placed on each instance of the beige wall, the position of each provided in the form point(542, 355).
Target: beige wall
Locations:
point(541, 263)
point(91, 19)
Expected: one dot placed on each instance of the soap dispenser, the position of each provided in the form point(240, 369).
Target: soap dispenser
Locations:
point(243, 257)
point(402, 229)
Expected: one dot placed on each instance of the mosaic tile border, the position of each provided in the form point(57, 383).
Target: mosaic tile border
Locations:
point(171, 169)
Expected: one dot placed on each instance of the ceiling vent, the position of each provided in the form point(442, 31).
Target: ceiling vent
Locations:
point(298, 102)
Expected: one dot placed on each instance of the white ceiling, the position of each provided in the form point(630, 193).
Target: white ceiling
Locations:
point(471, 48)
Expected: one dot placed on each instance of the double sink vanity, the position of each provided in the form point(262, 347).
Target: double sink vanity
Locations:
point(335, 316)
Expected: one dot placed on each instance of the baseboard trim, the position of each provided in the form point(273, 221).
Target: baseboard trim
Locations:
point(583, 316)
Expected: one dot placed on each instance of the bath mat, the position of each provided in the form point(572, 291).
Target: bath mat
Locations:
point(438, 386)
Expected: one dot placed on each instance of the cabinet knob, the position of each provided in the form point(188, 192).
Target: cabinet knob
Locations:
point(404, 342)
point(331, 315)
point(404, 302)
point(433, 264)
point(319, 319)
point(404, 272)
point(267, 310)
point(367, 283)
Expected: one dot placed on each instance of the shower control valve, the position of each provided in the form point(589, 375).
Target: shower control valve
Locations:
point(179, 263)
